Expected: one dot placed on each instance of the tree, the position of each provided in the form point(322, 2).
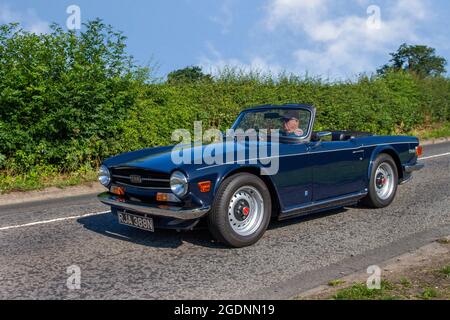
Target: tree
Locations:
point(188, 75)
point(419, 59)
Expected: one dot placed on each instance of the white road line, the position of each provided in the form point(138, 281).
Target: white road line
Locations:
point(436, 156)
point(53, 220)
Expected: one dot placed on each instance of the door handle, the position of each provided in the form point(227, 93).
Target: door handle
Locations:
point(359, 151)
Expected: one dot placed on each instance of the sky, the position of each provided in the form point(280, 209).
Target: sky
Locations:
point(328, 38)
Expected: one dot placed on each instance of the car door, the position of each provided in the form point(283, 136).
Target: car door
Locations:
point(294, 180)
point(339, 169)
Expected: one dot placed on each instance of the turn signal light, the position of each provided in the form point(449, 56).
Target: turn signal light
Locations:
point(419, 151)
point(119, 191)
point(166, 197)
point(163, 197)
point(204, 186)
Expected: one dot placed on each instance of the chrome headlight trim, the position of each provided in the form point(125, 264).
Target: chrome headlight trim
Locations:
point(179, 184)
point(104, 176)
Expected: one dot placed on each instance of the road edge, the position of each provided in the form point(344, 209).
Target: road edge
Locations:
point(413, 259)
point(53, 193)
point(434, 141)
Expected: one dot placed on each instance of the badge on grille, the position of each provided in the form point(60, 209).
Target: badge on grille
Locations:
point(136, 179)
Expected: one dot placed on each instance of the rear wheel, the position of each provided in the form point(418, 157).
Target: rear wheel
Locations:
point(241, 211)
point(383, 182)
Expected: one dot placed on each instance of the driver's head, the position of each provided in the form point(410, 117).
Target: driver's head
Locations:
point(291, 121)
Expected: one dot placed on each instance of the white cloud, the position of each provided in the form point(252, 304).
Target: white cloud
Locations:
point(296, 13)
point(343, 45)
point(28, 19)
point(225, 18)
point(417, 9)
point(215, 62)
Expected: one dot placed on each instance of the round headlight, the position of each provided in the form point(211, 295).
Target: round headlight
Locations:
point(179, 184)
point(104, 177)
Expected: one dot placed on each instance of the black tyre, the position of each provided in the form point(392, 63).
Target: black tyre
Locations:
point(241, 211)
point(383, 182)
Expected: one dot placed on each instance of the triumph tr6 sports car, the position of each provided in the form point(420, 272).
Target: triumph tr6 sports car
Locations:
point(238, 197)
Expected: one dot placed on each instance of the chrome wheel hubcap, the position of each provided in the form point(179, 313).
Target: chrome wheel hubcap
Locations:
point(246, 211)
point(384, 181)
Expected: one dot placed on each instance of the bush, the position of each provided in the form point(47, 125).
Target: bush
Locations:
point(392, 104)
point(62, 95)
point(2, 160)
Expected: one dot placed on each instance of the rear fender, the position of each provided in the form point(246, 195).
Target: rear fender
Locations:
point(390, 151)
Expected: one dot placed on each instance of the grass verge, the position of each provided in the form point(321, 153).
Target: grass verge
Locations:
point(37, 181)
point(425, 283)
point(359, 291)
point(433, 132)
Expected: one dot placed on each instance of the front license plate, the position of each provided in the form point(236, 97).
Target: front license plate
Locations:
point(139, 222)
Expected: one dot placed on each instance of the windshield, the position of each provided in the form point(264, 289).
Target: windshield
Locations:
point(292, 123)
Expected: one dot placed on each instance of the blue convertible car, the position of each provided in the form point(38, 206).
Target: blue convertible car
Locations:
point(287, 171)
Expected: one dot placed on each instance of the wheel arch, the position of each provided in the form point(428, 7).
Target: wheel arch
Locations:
point(276, 206)
point(389, 150)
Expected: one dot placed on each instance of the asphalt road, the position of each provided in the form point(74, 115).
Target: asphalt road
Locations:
point(39, 241)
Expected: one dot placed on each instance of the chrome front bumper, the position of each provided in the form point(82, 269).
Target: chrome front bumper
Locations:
point(412, 168)
point(152, 209)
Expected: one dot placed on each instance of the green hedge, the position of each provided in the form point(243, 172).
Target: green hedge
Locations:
point(394, 104)
point(63, 96)
point(69, 100)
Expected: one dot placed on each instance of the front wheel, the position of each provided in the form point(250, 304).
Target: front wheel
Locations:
point(241, 211)
point(383, 182)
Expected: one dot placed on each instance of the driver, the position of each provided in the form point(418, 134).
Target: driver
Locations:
point(291, 124)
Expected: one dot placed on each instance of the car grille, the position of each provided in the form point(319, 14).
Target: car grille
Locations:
point(141, 178)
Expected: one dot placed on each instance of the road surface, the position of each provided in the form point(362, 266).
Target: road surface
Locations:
point(40, 241)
